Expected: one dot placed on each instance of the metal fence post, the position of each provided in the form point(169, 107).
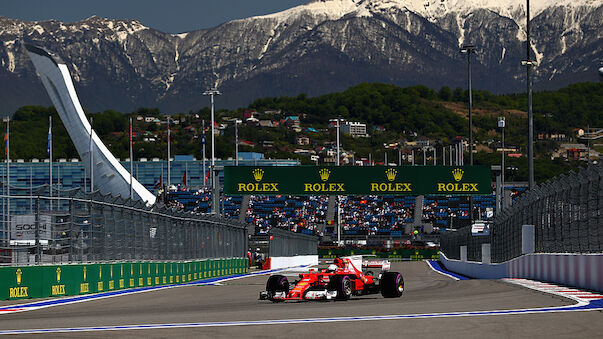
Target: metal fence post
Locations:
point(37, 231)
point(71, 215)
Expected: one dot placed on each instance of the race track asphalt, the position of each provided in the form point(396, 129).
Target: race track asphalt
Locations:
point(237, 300)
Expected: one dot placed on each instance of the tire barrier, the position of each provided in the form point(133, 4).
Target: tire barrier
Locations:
point(60, 280)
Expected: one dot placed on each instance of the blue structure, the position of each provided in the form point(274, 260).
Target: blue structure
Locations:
point(73, 174)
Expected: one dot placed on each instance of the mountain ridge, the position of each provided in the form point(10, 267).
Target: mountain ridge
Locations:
point(297, 51)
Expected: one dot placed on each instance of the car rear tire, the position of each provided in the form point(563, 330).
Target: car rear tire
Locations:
point(391, 285)
point(343, 285)
point(277, 283)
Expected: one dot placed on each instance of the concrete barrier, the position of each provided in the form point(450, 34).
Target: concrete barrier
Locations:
point(287, 262)
point(580, 270)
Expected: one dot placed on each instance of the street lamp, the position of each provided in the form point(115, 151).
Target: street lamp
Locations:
point(501, 125)
point(169, 155)
point(212, 93)
point(338, 128)
point(469, 49)
point(237, 122)
point(529, 63)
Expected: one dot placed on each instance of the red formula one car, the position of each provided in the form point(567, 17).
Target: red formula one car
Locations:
point(339, 281)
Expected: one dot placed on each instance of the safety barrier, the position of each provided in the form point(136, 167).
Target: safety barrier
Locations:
point(566, 213)
point(400, 253)
point(60, 280)
point(580, 270)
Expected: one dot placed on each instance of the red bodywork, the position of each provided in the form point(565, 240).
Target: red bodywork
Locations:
point(319, 280)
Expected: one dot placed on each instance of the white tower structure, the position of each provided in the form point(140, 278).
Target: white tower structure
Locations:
point(109, 176)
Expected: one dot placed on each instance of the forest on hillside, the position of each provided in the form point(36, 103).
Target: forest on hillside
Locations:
point(391, 113)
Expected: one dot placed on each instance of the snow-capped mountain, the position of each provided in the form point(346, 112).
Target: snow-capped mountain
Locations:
point(319, 47)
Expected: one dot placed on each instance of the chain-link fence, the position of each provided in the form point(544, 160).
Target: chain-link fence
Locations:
point(567, 214)
point(77, 227)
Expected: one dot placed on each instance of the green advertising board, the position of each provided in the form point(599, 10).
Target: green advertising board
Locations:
point(62, 280)
point(357, 180)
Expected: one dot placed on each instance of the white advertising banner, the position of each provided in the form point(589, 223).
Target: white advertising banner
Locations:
point(23, 227)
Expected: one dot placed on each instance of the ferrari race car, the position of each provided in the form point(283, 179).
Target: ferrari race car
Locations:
point(339, 281)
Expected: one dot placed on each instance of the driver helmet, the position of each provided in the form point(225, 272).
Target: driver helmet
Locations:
point(332, 268)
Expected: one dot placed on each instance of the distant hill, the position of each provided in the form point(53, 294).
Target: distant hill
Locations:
point(393, 115)
point(321, 47)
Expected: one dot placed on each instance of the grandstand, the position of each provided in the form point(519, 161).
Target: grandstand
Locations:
point(360, 215)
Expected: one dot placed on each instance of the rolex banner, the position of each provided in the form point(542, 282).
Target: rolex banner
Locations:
point(76, 279)
point(357, 180)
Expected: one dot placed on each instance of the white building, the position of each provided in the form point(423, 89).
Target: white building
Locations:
point(354, 128)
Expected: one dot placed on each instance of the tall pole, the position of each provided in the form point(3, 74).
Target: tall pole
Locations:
point(91, 150)
point(131, 163)
point(502, 167)
point(50, 157)
point(501, 125)
point(470, 112)
point(399, 156)
point(31, 188)
point(236, 142)
point(338, 126)
point(203, 142)
point(7, 227)
point(214, 208)
point(529, 64)
point(168, 152)
point(469, 49)
point(338, 220)
point(587, 146)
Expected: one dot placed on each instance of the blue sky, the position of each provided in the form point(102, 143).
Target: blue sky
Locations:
point(171, 16)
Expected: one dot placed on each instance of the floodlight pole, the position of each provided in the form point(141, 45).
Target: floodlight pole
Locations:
point(529, 63)
point(131, 163)
point(168, 153)
point(469, 49)
point(501, 125)
point(237, 121)
point(214, 210)
point(338, 127)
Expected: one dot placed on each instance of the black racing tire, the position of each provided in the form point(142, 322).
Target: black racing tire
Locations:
point(343, 285)
point(391, 285)
point(277, 283)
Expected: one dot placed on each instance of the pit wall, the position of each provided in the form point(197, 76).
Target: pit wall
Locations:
point(60, 280)
point(287, 262)
point(580, 270)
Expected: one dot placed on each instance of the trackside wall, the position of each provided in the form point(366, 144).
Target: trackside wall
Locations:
point(580, 270)
point(299, 260)
point(21, 282)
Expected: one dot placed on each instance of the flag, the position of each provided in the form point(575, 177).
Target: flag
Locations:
point(48, 145)
point(6, 140)
point(90, 147)
point(203, 137)
point(184, 178)
point(158, 183)
point(207, 177)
